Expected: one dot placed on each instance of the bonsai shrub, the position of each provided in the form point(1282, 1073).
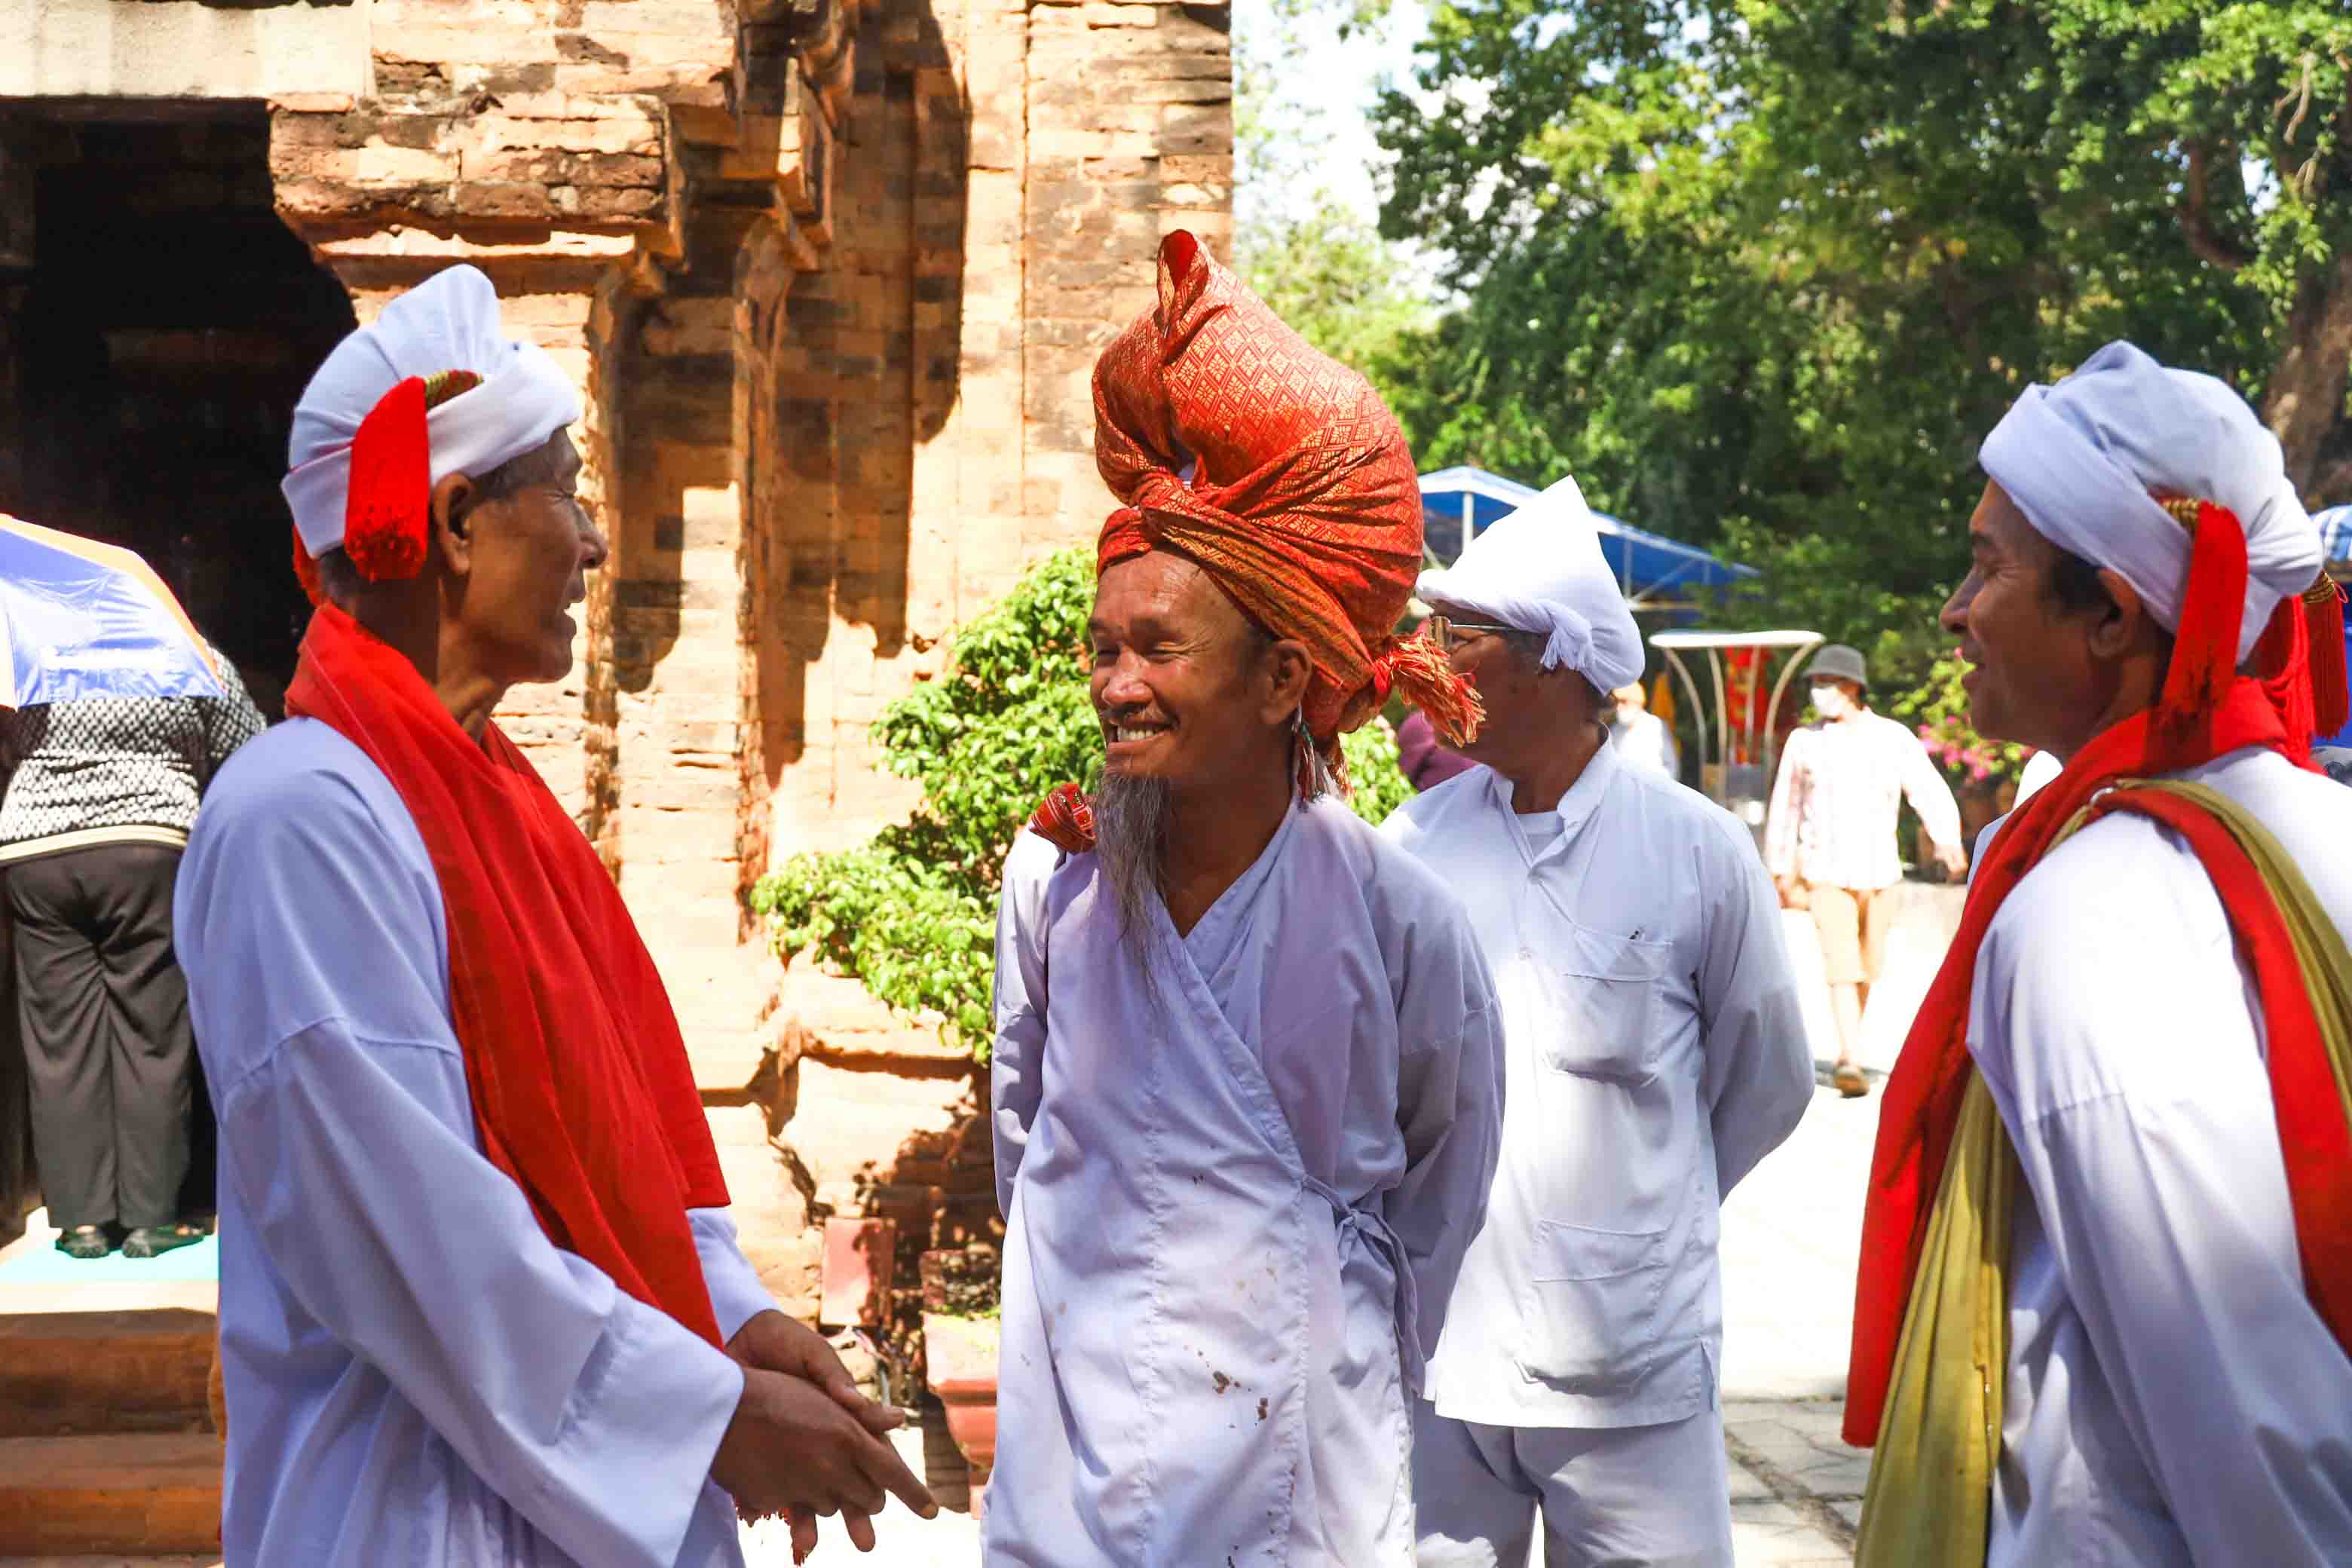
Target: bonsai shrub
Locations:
point(912, 912)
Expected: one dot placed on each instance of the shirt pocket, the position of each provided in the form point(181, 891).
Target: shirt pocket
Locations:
point(1592, 1307)
point(1604, 1007)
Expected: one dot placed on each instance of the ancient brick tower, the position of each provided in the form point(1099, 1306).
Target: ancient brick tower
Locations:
point(831, 273)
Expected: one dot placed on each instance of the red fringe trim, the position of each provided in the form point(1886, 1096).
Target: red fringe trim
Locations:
point(2331, 691)
point(2205, 645)
point(391, 492)
point(1419, 667)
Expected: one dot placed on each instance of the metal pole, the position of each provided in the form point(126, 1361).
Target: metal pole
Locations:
point(1469, 520)
point(1699, 709)
point(1722, 717)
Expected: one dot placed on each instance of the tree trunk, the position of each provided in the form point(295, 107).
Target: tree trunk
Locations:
point(2306, 390)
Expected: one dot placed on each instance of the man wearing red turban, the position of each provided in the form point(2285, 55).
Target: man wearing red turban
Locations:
point(1247, 1065)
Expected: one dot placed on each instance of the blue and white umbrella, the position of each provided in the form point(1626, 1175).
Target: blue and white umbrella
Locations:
point(79, 620)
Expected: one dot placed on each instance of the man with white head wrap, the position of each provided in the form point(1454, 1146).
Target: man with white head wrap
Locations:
point(481, 1302)
point(2107, 1273)
point(1655, 1053)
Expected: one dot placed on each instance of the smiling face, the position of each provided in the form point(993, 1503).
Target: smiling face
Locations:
point(2044, 674)
point(528, 547)
point(1187, 689)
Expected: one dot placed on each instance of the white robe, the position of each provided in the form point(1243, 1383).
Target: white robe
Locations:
point(2172, 1397)
point(1656, 1053)
point(1224, 1189)
point(416, 1374)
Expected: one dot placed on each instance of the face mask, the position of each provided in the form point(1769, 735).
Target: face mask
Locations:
point(1832, 702)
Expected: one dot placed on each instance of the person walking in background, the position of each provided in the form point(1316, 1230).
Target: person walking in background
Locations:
point(1642, 737)
point(1654, 1052)
point(99, 799)
point(1828, 841)
point(2106, 1288)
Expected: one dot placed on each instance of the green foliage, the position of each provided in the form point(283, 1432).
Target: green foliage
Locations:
point(1763, 274)
point(1938, 710)
point(912, 912)
point(1324, 269)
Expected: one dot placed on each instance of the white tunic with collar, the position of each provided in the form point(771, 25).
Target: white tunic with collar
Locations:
point(2172, 1396)
point(416, 1374)
point(1225, 1186)
point(1655, 1054)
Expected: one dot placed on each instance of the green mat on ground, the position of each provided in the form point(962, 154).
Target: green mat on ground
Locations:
point(47, 1266)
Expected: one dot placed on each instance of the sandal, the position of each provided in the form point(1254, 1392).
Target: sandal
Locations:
point(1847, 1077)
point(155, 1240)
point(87, 1242)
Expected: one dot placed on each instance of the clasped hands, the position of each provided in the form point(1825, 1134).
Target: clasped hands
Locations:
point(804, 1442)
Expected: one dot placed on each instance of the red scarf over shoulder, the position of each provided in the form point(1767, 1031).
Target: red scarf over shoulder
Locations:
point(2207, 711)
point(580, 1086)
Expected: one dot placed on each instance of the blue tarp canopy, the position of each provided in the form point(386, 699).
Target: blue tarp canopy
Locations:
point(1457, 504)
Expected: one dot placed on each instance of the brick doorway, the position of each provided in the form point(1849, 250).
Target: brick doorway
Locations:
point(157, 324)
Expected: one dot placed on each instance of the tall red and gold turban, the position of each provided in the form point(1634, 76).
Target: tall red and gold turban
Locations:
point(1232, 442)
point(1278, 470)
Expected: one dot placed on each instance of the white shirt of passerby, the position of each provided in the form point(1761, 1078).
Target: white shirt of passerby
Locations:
point(1647, 741)
point(1654, 1052)
point(2040, 769)
point(1834, 805)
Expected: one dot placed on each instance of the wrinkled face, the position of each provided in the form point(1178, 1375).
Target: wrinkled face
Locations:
point(528, 557)
point(1182, 682)
point(2033, 680)
point(1510, 683)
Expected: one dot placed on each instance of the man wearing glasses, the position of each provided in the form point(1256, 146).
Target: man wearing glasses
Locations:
point(1654, 1053)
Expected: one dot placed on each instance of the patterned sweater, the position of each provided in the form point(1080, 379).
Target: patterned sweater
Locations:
point(115, 769)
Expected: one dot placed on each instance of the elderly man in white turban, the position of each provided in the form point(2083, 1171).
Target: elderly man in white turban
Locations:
point(481, 1302)
point(1655, 1053)
point(2107, 1273)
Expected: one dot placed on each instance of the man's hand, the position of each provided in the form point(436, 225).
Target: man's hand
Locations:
point(1953, 859)
point(770, 1341)
point(774, 1343)
point(793, 1449)
point(1792, 891)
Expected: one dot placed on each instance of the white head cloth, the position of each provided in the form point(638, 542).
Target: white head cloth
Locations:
point(450, 321)
point(2079, 460)
point(1539, 569)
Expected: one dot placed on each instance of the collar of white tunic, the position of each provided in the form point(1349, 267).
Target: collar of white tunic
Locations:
point(1212, 939)
point(1542, 835)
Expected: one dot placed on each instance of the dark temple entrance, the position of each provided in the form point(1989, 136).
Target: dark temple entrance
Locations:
point(157, 323)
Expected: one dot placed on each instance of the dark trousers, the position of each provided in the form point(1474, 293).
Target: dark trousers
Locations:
point(105, 1020)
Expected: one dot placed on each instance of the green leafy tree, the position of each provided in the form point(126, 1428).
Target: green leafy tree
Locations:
point(1763, 274)
point(912, 912)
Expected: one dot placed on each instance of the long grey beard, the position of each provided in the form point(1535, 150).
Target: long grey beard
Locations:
point(1131, 818)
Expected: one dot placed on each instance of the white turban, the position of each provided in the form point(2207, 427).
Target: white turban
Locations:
point(450, 321)
point(1539, 569)
point(2081, 458)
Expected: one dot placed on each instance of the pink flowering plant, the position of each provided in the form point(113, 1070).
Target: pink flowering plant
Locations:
point(1937, 710)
